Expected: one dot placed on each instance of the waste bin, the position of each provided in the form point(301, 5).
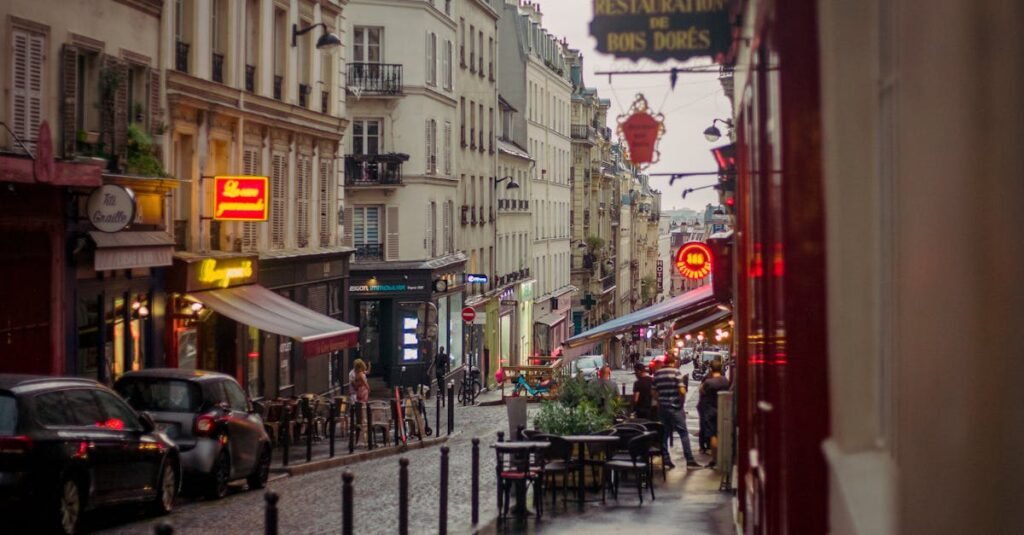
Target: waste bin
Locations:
point(516, 407)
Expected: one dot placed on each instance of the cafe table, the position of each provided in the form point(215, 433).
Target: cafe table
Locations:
point(520, 452)
point(582, 442)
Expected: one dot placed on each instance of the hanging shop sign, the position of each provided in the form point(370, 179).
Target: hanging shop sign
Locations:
point(111, 208)
point(660, 271)
point(693, 260)
point(240, 198)
point(476, 278)
point(642, 130)
point(661, 30)
point(198, 274)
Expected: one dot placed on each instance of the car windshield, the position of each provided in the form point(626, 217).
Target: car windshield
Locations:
point(160, 395)
point(8, 414)
point(588, 362)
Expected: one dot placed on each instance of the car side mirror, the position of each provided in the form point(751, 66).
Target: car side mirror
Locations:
point(148, 425)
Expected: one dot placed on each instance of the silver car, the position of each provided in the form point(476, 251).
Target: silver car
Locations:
point(588, 365)
point(209, 417)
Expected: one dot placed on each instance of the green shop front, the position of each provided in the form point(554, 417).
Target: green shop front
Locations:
point(406, 311)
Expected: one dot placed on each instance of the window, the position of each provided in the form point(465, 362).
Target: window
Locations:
point(82, 408)
point(480, 40)
point(366, 44)
point(449, 214)
point(366, 225)
point(431, 146)
point(49, 411)
point(326, 172)
point(447, 147)
point(118, 414)
point(462, 121)
point(472, 125)
point(462, 42)
point(366, 135)
point(235, 396)
point(27, 83)
point(432, 58)
point(472, 49)
point(303, 193)
point(278, 199)
point(161, 395)
point(430, 236)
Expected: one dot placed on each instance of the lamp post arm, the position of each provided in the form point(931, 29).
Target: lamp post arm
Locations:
point(296, 32)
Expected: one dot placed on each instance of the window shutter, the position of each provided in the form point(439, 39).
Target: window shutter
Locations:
point(250, 232)
point(392, 233)
point(430, 59)
point(326, 168)
point(121, 113)
point(27, 86)
point(278, 200)
point(428, 233)
point(154, 102)
point(69, 90)
point(303, 169)
point(347, 237)
point(447, 244)
point(447, 147)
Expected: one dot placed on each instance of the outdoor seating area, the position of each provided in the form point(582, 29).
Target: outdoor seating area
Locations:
point(578, 468)
point(538, 381)
point(314, 426)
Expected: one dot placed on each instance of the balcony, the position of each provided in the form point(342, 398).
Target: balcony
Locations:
point(369, 251)
point(374, 170)
point(278, 83)
point(375, 79)
point(581, 131)
point(181, 56)
point(250, 78)
point(607, 283)
point(218, 68)
point(304, 91)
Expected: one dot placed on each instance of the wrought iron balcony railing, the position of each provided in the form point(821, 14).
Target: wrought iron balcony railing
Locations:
point(250, 78)
point(278, 83)
point(181, 56)
point(374, 169)
point(218, 68)
point(375, 78)
point(369, 251)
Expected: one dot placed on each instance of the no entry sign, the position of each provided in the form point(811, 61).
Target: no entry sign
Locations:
point(468, 314)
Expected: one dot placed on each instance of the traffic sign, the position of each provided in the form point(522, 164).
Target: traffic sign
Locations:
point(468, 314)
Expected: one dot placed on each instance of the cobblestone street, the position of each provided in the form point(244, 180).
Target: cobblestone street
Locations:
point(312, 503)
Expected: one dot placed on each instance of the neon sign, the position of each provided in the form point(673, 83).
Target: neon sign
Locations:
point(693, 260)
point(213, 272)
point(240, 198)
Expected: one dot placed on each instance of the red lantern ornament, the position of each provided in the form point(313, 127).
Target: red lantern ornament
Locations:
point(642, 130)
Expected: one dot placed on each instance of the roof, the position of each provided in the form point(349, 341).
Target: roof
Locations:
point(405, 265)
point(177, 373)
point(19, 383)
point(513, 150)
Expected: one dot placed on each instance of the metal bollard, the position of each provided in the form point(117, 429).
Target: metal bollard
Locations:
point(442, 519)
point(465, 377)
point(501, 436)
point(623, 389)
point(270, 519)
point(330, 422)
point(307, 414)
point(352, 408)
point(346, 503)
point(437, 413)
point(369, 427)
point(451, 408)
point(475, 503)
point(163, 528)
point(403, 496)
point(286, 434)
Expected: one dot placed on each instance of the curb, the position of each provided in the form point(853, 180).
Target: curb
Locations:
point(324, 464)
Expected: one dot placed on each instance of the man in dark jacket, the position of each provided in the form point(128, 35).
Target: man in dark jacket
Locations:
point(441, 364)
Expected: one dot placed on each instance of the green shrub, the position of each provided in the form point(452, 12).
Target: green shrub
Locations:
point(558, 419)
point(141, 154)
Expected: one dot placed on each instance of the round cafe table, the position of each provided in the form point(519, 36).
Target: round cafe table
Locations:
point(582, 442)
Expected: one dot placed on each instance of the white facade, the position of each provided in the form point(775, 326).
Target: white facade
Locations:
point(400, 172)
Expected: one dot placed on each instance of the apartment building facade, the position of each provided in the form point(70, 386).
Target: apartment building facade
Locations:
point(402, 178)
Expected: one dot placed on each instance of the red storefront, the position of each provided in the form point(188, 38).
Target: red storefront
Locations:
point(783, 395)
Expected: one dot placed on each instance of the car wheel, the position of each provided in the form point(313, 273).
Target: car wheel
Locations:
point(217, 487)
point(166, 490)
point(69, 506)
point(261, 474)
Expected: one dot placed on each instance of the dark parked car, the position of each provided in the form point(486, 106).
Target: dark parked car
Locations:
point(69, 444)
point(209, 417)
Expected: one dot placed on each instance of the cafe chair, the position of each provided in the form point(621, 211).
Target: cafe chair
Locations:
point(637, 464)
point(513, 469)
point(558, 462)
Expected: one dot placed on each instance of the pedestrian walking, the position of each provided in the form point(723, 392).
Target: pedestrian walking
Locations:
point(671, 394)
point(441, 364)
point(359, 381)
point(709, 390)
point(643, 393)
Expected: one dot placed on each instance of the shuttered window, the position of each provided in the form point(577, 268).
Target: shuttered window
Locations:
point(278, 199)
point(303, 191)
point(348, 235)
point(430, 240)
point(326, 172)
point(446, 65)
point(431, 60)
point(431, 146)
point(392, 236)
point(449, 212)
point(250, 167)
point(447, 147)
point(27, 86)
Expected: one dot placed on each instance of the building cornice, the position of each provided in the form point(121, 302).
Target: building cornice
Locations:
point(149, 7)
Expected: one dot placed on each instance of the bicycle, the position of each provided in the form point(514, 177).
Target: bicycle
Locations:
point(471, 386)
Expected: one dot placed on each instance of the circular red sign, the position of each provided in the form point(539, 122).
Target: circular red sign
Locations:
point(693, 260)
point(468, 314)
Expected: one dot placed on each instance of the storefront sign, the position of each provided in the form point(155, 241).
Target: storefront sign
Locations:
point(240, 198)
point(661, 29)
point(660, 271)
point(476, 278)
point(111, 208)
point(693, 260)
point(381, 288)
point(223, 272)
point(642, 130)
point(198, 274)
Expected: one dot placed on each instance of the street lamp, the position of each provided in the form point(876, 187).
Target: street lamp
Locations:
point(512, 184)
point(327, 40)
point(712, 133)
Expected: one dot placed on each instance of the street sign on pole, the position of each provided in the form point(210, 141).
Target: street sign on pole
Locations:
point(468, 314)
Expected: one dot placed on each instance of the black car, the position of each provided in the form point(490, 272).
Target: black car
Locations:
point(68, 445)
point(219, 435)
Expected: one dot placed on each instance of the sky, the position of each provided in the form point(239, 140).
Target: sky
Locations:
point(689, 109)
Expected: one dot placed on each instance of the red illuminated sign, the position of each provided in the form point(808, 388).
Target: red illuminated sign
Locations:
point(642, 130)
point(240, 198)
point(693, 260)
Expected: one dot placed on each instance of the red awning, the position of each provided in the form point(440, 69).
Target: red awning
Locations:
point(259, 307)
